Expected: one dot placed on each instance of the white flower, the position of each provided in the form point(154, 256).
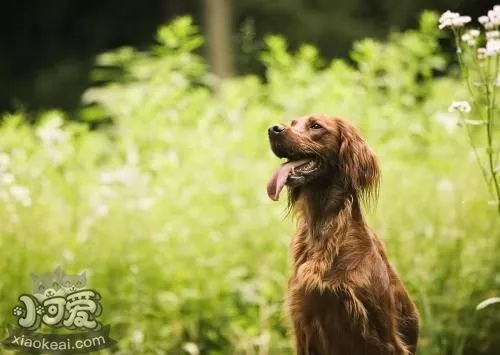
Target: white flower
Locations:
point(469, 39)
point(101, 210)
point(51, 134)
point(445, 185)
point(481, 53)
point(68, 255)
point(56, 156)
point(4, 161)
point(125, 175)
point(493, 47)
point(494, 16)
point(492, 34)
point(21, 194)
point(146, 203)
point(452, 19)
point(137, 336)
point(460, 106)
point(51, 131)
point(191, 348)
point(483, 20)
point(6, 179)
point(448, 121)
point(460, 21)
point(474, 33)
point(446, 19)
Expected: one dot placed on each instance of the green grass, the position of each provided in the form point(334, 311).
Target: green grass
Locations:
point(167, 209)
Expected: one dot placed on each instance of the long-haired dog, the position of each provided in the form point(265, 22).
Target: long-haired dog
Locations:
point(344, 297)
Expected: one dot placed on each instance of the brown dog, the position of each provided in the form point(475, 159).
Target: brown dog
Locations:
point(344, 297)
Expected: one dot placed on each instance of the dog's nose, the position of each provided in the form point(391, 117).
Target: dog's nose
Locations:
point(275, 130)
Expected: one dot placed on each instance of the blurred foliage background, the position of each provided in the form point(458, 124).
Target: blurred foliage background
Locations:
point(150, 174)
point(48, 48)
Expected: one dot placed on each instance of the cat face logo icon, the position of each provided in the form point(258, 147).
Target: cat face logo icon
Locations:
point(56, 283)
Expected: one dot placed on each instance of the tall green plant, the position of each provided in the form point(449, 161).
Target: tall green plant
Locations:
point(478, 53)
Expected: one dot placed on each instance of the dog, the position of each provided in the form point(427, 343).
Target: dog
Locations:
point(344, 297)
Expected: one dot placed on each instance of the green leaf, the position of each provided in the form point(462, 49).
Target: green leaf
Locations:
point(474, 122)
point(487, 302)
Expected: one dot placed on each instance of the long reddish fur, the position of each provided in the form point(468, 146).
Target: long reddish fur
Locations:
point(344, 296)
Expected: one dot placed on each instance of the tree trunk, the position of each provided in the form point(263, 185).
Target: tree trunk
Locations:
point(218, 34)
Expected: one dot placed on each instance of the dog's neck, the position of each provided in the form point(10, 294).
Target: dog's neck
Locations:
point(326, 211)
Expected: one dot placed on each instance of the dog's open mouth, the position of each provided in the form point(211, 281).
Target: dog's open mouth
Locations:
point(288, 173)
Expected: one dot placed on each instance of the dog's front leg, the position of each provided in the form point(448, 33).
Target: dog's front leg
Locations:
point(302, 343)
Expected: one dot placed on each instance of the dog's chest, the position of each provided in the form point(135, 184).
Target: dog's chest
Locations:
point(328, 320)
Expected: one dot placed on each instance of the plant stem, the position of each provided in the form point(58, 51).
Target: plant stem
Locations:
point(463, 68)
point(465, 72)
point(493, 104)
point(476, 154)
point(490, 99)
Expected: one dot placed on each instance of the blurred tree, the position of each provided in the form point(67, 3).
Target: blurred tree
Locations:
point(218, 16)
point(48, 46)
point(332, 25)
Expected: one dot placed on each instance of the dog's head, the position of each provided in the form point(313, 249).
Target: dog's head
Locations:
point(322, 150)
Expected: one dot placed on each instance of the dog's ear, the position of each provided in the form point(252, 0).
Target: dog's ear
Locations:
point(358, 162)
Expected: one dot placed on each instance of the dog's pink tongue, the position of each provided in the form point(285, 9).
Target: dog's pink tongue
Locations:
point(278, 180)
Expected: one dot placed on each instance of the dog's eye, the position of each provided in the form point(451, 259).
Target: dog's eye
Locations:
point(315, 126)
